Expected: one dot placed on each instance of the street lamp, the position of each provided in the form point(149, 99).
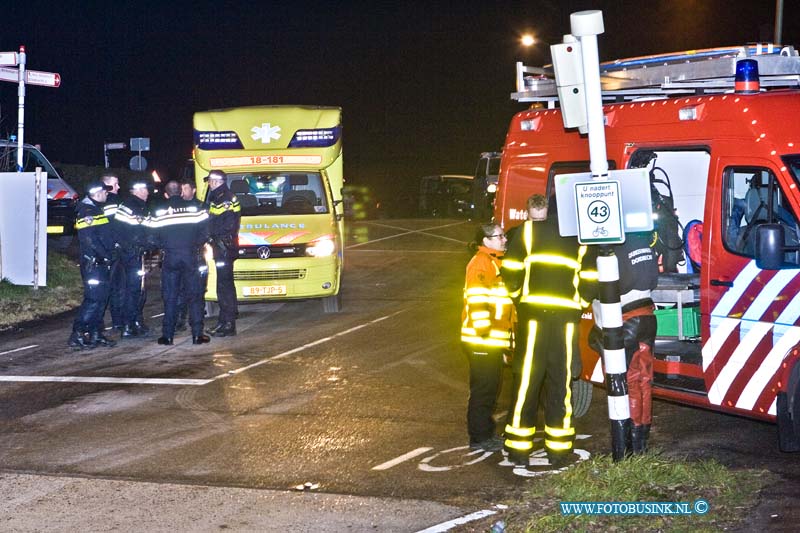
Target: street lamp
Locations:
point(527, 40)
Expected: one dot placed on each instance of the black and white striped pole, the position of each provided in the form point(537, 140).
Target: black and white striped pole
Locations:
point(586, 26)
point(614, 351)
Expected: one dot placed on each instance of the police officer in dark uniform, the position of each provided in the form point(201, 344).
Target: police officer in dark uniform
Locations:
point(130, 224)
point(225, 214)
point(180, 229)
point(96, 239)
point(116, 301)
point(188, 192)
point(549, 277)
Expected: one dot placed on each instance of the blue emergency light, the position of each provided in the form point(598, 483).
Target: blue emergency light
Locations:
point(747, 81)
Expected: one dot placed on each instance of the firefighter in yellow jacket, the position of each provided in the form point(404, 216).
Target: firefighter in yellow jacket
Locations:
point(486, 324)
point(550, 278)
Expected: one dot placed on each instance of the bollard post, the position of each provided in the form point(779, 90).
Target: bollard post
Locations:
point(614, 351)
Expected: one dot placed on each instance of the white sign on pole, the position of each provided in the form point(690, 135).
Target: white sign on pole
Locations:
point(599, 206)
point(9, 74)
point(32, 77)
point(47, 79)
point(8, 58)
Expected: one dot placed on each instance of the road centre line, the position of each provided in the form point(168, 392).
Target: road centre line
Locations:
point(405, 457)
point(444, 526)
point(423, 231)
point(20, 349)
point(192, 382)
point(303, 347)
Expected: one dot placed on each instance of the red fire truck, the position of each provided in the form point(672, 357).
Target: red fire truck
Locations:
point(724, 161)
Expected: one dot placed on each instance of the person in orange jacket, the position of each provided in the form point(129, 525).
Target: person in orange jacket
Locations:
point(486, 326)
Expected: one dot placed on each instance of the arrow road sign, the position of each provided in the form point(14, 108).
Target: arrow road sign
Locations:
point(47, 79)
point(8, 58)
point(32, 77)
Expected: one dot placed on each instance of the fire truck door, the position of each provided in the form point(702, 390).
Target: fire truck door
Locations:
point(746, 311)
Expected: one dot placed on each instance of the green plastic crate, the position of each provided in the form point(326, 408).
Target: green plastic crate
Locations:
point(668, 322)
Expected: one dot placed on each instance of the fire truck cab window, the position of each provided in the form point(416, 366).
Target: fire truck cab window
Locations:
point(752, 197)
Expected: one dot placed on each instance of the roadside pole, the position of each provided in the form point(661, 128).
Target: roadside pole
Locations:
point(21, 107)
point(586, 26)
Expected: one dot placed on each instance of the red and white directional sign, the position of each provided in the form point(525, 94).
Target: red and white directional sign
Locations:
point(8, 58)
point(33, 77)
point(48, 79)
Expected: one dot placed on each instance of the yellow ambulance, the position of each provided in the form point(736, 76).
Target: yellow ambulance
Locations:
point(284, 164)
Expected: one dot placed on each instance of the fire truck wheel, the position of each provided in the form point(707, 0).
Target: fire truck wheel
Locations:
point(581, 397)
point(789, 413)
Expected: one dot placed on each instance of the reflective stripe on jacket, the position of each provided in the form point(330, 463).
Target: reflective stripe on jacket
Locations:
point(487, 315)
point(549, 271)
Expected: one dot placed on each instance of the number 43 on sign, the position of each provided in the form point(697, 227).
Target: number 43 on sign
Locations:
point(599, 207)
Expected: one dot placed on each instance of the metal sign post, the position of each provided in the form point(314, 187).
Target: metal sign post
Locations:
point(21, 76)
point(598, 203)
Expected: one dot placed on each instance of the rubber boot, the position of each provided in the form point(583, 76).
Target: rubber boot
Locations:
point(645, 437)
point(637, 440)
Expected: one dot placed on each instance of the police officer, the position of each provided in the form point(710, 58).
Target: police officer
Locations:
point(96, 240)
point(180, 229)
point(188, 193)
point(224, 212)
point(130, 224)
point(544, 272)
point(116, 300)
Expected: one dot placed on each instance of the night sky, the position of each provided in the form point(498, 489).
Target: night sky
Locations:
point(424, 86)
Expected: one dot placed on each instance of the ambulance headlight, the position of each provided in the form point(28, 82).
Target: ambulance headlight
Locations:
point(491, 188)
point(321, 248)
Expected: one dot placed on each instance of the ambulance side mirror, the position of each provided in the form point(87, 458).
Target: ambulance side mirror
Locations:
point(769, 246)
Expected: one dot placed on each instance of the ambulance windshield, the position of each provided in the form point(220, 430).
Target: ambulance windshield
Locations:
point(279, 193)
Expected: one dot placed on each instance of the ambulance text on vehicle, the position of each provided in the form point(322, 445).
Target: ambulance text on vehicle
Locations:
point(284, 164)
point(723, 155)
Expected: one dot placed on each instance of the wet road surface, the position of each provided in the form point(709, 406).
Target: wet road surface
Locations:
point(367, 404)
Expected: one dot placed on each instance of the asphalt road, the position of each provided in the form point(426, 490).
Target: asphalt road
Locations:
point(305, 421)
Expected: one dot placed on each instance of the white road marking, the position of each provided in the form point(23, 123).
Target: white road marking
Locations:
point(405, 457)
point(287, 353)
point(445, 526)
point(194, 382)
point(89, 379)
point(408, 232)
point(20, 349)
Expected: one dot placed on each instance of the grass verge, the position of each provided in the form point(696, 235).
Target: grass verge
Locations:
point(64, 291)
point(646, 478)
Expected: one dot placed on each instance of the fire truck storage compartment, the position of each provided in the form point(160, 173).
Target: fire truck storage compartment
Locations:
point(677, 298)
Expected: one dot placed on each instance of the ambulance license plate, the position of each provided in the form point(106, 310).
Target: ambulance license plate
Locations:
point(270, 290)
